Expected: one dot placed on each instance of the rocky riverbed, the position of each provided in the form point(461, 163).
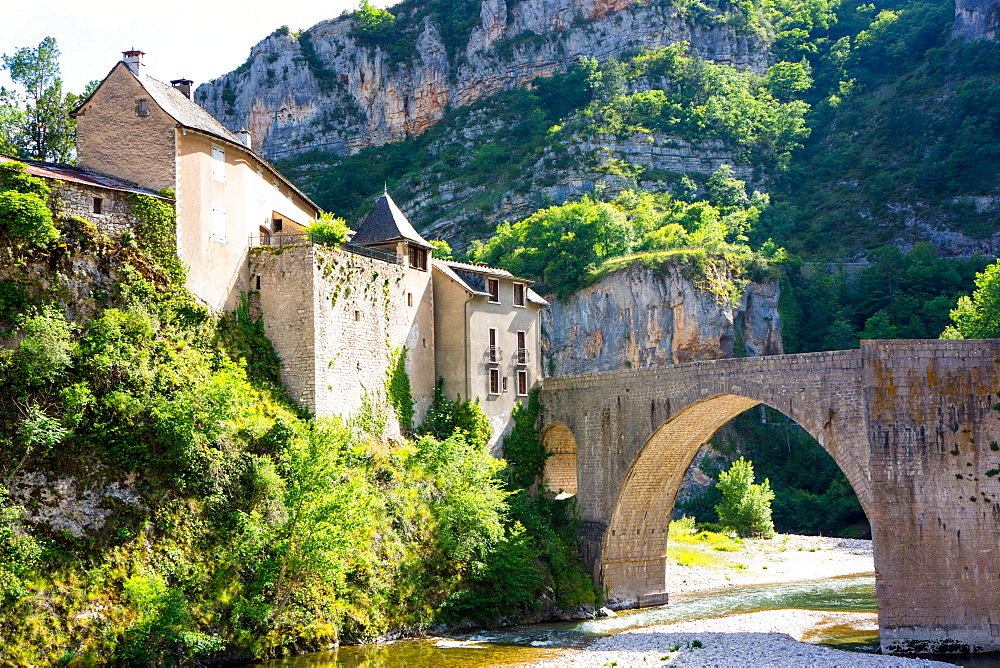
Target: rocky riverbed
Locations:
point(767, 638)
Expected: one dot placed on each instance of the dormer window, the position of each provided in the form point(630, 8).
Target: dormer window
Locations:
point(493, 287)
point(141, 107)
point(519, 294)
point(418, 258)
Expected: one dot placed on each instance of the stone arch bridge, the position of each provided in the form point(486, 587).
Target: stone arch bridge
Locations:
point(911, 424)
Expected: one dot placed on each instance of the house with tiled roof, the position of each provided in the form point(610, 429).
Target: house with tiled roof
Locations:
point(343, 318)
point(488, 336)
point(152, 134)
point(100, 198)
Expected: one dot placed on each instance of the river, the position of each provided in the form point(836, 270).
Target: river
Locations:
point(538, 642)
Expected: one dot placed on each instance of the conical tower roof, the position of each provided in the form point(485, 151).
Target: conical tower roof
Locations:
point(386, 224)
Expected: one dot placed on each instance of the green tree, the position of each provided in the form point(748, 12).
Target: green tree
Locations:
point(978, 316)
point(557, 244)
point(442, 249)
point(745, 507)
point(372, 22)
point(787, 80)
point(35, 121)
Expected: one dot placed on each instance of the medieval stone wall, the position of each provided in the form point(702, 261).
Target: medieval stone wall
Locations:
point(336, 319)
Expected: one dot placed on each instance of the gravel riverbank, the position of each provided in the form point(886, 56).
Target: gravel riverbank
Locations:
point(769, 638)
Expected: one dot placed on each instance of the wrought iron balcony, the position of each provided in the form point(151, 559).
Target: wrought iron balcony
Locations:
point(521, 356)
point(493, 353)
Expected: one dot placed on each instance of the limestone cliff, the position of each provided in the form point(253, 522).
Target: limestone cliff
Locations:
point(976, 19)
point(640, 317)
point(327, 90)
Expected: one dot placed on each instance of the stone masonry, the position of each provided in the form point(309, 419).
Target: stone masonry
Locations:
point(335, 318)
point(78, 200)
point(910, 423)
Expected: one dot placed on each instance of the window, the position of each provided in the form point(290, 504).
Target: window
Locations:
point(141, 107)
point(218, 224)
point(418, 258)
point(522, 349)
point(505, 383)
point(357, 316)
point(409, 299)
point(522, 383)
point(258, 282)
point(519, 294)
point(493, 351)
point(218, 164)
point(494, 381)
point(278, 222)
point(493, 287)
point(98, 205)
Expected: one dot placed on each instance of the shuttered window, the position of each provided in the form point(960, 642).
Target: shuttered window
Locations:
point(522, 383)
point(494, 381)
point(519, 294)
point(218, 164)
point(218, 224)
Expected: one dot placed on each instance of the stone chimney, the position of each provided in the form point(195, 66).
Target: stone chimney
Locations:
point(133, 59)
point(244, 136)
point(183, 85)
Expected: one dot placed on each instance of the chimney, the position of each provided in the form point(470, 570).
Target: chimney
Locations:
point(183, 85)
point(244, 136)
point(133, 59)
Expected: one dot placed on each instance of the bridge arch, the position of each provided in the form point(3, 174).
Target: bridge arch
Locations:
point(560, 467)
point(634, 544)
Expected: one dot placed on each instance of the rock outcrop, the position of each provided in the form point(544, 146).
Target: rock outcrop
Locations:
point(641, 317)
point(324, 90)
point(976, 19)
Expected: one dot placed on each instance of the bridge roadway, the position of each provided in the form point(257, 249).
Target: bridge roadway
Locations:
point(911, 423)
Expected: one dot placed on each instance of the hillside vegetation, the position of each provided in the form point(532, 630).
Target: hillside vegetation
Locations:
point(200, 514)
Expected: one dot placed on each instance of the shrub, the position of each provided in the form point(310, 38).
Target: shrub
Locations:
point(27, 216)
point(745, 507)
point(328, 230)
point(445, 418)
point(44, 352)
point(18, 550)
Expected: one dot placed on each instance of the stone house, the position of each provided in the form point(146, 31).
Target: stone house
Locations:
point(139, 129)
point(100, 198)
point(488, 337)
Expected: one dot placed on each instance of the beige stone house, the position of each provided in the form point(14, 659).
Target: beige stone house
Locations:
point(228, 198)
point(488, 338)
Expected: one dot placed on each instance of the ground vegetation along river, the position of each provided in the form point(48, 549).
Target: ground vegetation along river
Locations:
point(788, 601)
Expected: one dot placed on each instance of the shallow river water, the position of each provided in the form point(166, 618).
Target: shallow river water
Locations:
point(526, 644)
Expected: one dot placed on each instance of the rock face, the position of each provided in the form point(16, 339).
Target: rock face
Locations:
point(976, 19)
point(324, 90)
point(441, 208)
point(640, 317)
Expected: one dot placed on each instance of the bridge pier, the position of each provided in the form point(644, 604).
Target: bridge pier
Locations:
point(911, 424)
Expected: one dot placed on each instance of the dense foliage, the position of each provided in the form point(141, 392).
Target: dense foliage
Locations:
point(900, 295)
point(978, 316)
point(572, 245)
